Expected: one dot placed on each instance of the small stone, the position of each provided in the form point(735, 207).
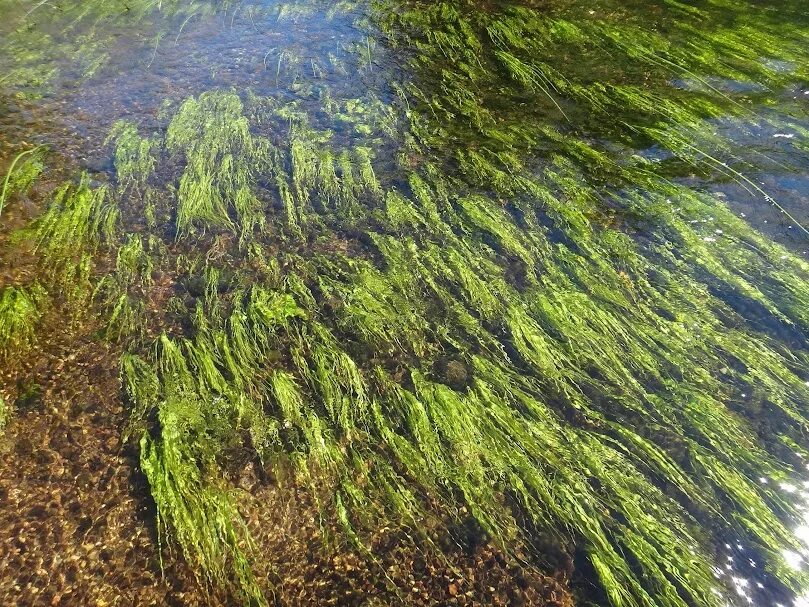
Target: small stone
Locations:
point(456, 374)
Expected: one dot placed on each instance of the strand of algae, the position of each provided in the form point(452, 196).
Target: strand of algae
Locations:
point(27, 173)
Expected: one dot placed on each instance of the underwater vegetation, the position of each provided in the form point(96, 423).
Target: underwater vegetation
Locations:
point(468, 294)
point(20, 309)
point(24, 170)
point(76, 40)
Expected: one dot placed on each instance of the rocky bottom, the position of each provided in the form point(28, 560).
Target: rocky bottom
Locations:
point(77, 525)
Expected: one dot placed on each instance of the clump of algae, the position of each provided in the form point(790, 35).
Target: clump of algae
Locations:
point(601, 335)
point(24, 170)
point(580, 332)
point(20, 310)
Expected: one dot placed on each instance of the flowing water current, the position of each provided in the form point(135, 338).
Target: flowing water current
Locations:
point(525, 279)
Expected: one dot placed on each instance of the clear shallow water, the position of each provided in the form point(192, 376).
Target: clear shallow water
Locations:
point(331, 63)
point(142, 72)
point(776, 165)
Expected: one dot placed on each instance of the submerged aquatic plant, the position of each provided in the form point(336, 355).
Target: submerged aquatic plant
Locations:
point(221, 160)
point(20, 311)
point(21, 175)
point(78, 218)
point(542, 333)
point(468, 302)
point(180, 466)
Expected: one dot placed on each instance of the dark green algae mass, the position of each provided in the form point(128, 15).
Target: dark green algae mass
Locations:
point(439, 275)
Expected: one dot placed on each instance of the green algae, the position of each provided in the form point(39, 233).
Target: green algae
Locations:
point(5, 413)
point(76, 221)
point(179, 466)
point(221, 159)
point(20, 311)
point(21, 175)
point(605, 324)
point(575, 328)
point(133, 155)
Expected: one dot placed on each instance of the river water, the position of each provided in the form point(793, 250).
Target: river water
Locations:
point(604, 106)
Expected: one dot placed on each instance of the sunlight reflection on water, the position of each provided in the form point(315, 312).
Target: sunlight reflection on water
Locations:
point(799, 559)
